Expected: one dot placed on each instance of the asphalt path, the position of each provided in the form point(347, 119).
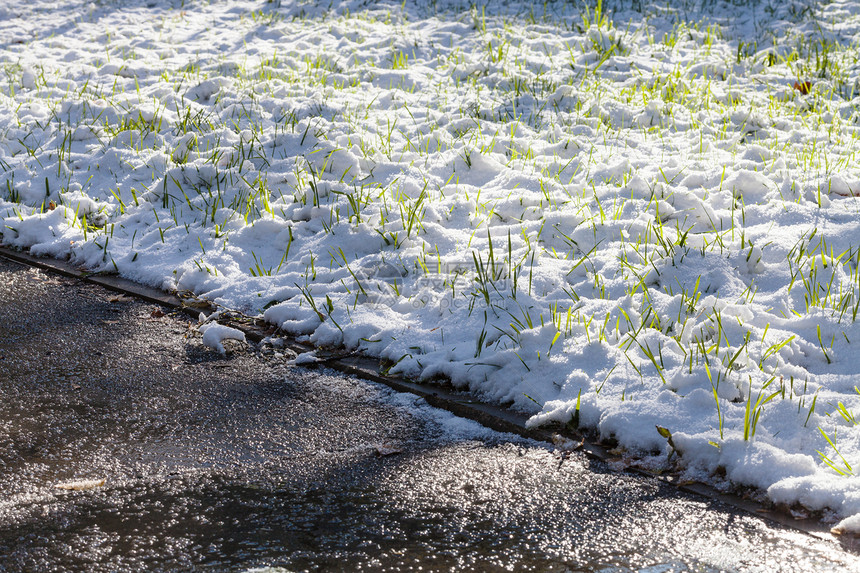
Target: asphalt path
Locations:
point(243, 462)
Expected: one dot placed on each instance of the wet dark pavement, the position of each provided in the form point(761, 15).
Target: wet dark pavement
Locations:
point(236, 462)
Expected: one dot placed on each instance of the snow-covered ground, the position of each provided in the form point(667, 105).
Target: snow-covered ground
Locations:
point(624, 217)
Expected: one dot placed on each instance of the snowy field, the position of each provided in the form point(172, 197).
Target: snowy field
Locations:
point(636, 215)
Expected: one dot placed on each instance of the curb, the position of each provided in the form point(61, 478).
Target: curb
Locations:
point(460, 404)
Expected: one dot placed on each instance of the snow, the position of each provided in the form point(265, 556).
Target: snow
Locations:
point(215, 334)
point(306, 358)
point(634, 216)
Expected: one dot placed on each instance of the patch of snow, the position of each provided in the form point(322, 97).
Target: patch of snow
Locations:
point(215, 334)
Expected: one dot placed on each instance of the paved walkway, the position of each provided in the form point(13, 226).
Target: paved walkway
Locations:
point(233, 462)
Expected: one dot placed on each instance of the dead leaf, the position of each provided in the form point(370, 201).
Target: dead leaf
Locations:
point(121, 298)
point(81, 485)
point(618, 465)
point(566, 444)
point(384, 450)
point(845, 531)
point(803, 87)
point(195, 304)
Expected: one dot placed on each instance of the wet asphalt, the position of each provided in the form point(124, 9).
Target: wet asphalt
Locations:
point(243, 462)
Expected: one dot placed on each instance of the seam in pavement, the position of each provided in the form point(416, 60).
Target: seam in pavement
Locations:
point(459, 403)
